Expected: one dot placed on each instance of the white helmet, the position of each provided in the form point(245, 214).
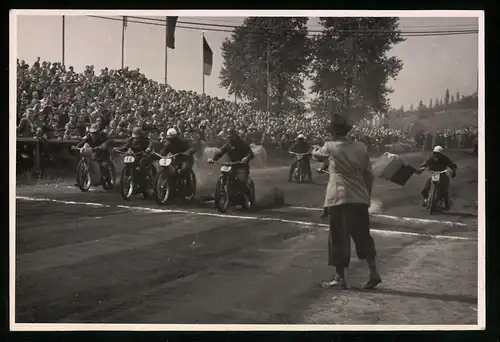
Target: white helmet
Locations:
point(301, 136)
point(438, 149)
point(171, 132)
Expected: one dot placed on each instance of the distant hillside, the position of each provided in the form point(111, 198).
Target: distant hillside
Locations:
point(452, 119)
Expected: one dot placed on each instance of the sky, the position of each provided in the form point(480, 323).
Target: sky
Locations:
point(430, 64)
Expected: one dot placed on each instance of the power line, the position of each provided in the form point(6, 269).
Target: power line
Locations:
point(316, 27)
point(310, 31)
point(254, 31)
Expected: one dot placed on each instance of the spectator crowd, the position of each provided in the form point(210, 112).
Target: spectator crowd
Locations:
point(59, 103)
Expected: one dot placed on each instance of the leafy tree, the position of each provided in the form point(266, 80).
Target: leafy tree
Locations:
point(452, 98)
point(411, 107)
point(402, 110)
point(436, 103)
point(350, 63)
point(447, 97)
point(281, 41)
point(458, 96)
point(323, 106)
point(421, 105)
point(430, 104)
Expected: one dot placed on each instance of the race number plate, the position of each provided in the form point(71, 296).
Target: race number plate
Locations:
point(435, 177)
point(225, 168)
point(165, 161)
point(129, 159)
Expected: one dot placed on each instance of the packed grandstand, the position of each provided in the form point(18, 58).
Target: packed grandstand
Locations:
point(59, 103)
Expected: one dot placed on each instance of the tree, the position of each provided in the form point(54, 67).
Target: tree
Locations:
point(452, 98)
point(411, 107)
point(402, 109)
point(430, 104)
point(458, 96)
point(436, 103)
point(280, 41)
point(421, 105)
point(447, 97)
point(350, 63)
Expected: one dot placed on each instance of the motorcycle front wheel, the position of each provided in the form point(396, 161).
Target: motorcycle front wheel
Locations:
point(127, 183)
point(222, 195)
point(162, 189)
point(84, 179)
point(431, 204)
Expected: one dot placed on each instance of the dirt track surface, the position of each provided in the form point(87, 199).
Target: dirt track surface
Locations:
point(94, 258)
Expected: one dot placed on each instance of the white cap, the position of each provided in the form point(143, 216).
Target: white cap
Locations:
point(301, 136)
point(171, 132)
point(438, 149)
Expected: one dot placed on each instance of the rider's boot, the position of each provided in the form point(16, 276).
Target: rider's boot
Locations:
point(324, 214)
point(424, 202)
point(446, 201)
point(374, 279)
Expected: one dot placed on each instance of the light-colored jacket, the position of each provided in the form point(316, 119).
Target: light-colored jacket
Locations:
point(350, 171)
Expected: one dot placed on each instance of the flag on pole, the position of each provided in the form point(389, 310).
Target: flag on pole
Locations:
point(125, 21)
point(207, 58)
point(171, 23)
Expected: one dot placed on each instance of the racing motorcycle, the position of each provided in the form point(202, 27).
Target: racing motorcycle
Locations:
point(84, 173)
point(230, 189)
point(435, 199)
point(169, 183)
point(299, 174)
point(130, 184)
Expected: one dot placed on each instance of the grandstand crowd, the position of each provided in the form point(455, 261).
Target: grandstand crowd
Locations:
point(59, 103)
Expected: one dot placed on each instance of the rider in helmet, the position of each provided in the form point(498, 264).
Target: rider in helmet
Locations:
point(438, 162)
point(175, 144)
point(300, 146)
point(237, 149)
point(97, 138)
point(139, 142)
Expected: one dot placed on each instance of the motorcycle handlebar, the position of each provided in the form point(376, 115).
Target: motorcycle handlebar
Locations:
point(230, 163)
point(171, 155)
point(128, 152)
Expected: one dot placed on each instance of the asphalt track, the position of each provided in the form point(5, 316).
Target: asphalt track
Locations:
point(94, 258)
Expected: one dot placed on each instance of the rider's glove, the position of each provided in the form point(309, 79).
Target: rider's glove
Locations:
point(244, 160)
point(73, 148)
point(115, 149)
point(148, 150)
point(210, 161)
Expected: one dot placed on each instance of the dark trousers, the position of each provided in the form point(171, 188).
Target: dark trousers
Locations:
point(245, 169)
point(444, 186)
point(346, 221)
point(294, 165)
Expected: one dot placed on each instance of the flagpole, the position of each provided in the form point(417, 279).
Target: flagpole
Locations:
point(267, 81)
point(203, 62)
point(166, 49)
point(123, 42)
point(63, 39)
